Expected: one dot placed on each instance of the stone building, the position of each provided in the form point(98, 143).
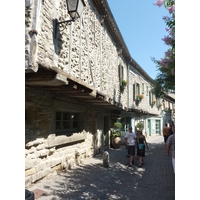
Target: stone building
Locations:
point(73, 86)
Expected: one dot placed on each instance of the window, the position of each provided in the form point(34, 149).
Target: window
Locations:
point(142, 87)
point(137, 88)
point(147, 90)
point(66, 122)
point(158, 102)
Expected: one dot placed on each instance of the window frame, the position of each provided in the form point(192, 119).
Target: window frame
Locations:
point(137, 88)
point(67, 131)
point(147, 90)
point(143, 88)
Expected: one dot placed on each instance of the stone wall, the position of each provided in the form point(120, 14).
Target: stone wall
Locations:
point(46, 152)
point(28, 19)
point(135, 77)
point(85, 49)
point(43, 155)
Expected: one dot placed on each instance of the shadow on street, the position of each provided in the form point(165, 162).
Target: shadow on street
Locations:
point(90, 180)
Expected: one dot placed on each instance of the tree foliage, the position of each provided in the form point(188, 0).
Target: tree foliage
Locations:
point(165, 80)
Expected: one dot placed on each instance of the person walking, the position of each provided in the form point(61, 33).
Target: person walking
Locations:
point(170, 145)
point(141, 147)
point(166, 132)
point(130, 139)
point(137, 135)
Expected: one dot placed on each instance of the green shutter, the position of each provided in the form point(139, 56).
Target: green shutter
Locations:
point(120, 74)
point(140, 89)
point(135, 90)
point(150, 98)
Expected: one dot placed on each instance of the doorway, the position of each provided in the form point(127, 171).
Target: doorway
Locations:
point(149, 127)
point(157, 126)
point(105, 134)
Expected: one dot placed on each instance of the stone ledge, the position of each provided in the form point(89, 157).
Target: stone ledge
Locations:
point(54, 140)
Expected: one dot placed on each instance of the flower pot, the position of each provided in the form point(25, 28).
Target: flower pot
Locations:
point(123, 87)
point(116, 142)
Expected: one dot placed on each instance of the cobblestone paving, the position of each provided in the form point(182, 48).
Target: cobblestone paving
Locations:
point(154, 181)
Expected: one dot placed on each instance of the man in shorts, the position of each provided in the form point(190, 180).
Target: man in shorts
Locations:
point(130, 139)
point(166, 132)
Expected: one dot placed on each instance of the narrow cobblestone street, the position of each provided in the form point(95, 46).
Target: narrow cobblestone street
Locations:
point(154, 181)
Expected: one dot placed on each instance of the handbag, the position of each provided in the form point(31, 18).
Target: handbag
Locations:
point(140, 146)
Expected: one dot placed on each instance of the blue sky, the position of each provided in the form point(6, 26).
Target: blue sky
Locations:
point(142, 27)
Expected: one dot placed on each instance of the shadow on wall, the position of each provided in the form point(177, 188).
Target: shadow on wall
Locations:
point(58, 43)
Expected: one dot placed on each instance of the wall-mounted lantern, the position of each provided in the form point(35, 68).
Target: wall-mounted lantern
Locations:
point(75, 9)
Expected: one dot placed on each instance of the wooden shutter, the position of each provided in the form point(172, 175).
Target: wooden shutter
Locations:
point(120, 74)
point(150, 98)
point(134, 91)
point(140, 89)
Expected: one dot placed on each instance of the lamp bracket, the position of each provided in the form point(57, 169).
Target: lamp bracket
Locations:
point(56, 24)
point(102, 17)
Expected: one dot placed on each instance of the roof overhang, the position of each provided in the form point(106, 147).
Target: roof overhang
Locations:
point(140, 112)
point(59, 82)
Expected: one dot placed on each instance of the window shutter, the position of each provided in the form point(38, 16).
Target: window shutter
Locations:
point(140, 89)
point(120, 74)
point(150, 98)
point(120, 79)
point(134, 91)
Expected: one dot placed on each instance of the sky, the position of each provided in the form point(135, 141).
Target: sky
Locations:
point(142, 28)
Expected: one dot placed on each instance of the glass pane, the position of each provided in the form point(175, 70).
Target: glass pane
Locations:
point(75, 124)
point(66, 116)
point(80, 7)
point(71, 5)
point(58, 115)
point(58, 125)
point(66, 125)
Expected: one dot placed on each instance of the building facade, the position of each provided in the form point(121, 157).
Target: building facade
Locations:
point(74, 89)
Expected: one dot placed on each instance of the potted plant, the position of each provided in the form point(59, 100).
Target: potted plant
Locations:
point(139, 97)
point(124, 84)
point(153, 101)
point(116, 135)
point(166, 108)
point(140, 126)
point(159, 105)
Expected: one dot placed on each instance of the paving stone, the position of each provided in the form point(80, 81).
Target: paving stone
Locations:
point(90, 180)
